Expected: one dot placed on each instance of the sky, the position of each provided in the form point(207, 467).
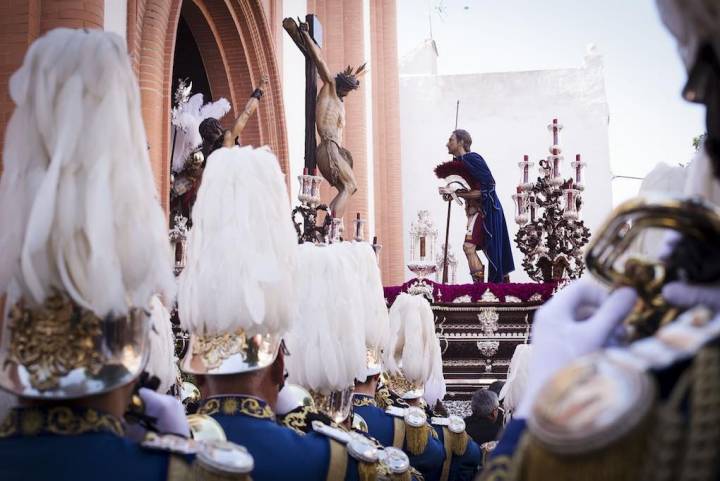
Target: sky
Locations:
point(649, 121)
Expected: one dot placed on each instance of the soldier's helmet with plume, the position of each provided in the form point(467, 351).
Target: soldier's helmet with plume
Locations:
point(235, 294)
point(84, 239)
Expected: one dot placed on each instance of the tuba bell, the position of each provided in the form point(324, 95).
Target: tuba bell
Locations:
point(694, 258)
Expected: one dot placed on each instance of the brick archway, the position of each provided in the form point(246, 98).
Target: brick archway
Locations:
point(237, 47)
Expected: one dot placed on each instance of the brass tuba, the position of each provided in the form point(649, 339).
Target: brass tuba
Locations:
point(609, 257)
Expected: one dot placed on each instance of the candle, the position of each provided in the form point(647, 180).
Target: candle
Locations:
point(525, 169)
point(305, 171)
point(578, 170)
point(556, 164)
point(555, 131)
point(315, 171)
point(532, 209)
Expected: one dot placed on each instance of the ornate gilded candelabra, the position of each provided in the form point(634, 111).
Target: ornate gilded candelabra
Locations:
point(551, 234)
point(423, 237)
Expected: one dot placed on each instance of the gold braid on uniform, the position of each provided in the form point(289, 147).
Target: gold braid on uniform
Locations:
point(364, 401)
point(618, 461)
point(230, 406)
point(416, 438)
point(300, 419)
point(666, 441)
point(386, 398)
point(60, 420)
point(703, 441)
point(683, 449)
point(458, 442)
point(367, 471)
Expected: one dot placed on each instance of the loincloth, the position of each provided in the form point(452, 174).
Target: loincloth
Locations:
point(335, 164)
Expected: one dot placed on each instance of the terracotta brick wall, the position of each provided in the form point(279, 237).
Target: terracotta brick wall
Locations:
point(386, 139)
point(21, 22)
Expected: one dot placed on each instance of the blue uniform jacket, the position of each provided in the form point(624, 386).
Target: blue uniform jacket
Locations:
point(42, 444)
point(497, 241)
point(381, 426)
point(462, 468)
point(278, 452)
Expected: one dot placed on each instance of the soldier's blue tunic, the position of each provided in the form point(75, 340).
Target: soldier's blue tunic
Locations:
point(381, 426)
point(49, 443)
point(278, 452)
point(462, 468)
point(497, 242)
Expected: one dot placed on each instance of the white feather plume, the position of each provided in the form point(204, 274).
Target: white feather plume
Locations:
point(435, 387)
point(327, 340)
point(414, 347)
point(162, 362)
point(375, 312)
point(186, 118)
point(517, 377)
point(78, 204)
point(241, 249)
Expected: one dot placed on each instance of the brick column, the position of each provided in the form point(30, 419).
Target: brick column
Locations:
point(21, 22)
point(343, 45)
point(386, 139)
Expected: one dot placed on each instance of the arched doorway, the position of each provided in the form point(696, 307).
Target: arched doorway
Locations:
point(236, 46)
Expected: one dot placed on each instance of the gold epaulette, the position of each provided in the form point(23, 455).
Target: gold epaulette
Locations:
point(344, 443)
point(415, 428)
point(602, 417)
point(214, 460)
point(453, 433)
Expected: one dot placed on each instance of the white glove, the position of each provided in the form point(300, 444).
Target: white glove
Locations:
point(575, 322)
point(688, 295)
point(169, 412)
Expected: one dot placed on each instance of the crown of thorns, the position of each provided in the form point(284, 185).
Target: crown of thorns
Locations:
point(349, 79)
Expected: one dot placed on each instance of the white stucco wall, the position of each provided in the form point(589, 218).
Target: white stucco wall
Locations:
point(507, 115)
point(116, 17)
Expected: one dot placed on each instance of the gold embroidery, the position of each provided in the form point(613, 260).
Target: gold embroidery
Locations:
point(297, 420)
point(400, 384)
point(385, 398)
point(361, 401)
point(53, 339)
point(231, 406)
point(60, 420)
point(216, 349)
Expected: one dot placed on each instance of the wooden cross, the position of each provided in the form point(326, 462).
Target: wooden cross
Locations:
point(315, 32)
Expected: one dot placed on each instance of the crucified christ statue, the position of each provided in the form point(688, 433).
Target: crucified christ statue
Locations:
point(334, 161)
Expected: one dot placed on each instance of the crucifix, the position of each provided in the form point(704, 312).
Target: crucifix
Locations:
point(315, 33)
point(326, 112)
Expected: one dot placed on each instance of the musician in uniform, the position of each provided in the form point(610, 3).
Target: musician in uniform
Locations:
point(84, 247)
